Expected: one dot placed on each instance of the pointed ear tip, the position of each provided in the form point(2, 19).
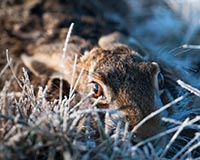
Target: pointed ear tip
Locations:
point(25, 58)
point(94, 49)
point(156, 64)
point(32, 64)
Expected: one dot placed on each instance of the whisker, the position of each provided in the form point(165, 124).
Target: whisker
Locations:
point(174, 49)
point(185, 51)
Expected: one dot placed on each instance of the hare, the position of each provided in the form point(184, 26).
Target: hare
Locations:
point(118, 76)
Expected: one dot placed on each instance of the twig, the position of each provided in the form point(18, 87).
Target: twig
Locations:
point(20, 85)
point(4, 68)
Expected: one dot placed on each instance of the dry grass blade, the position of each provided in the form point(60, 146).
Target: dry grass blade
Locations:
point(4, 68)
point(81, 102)
point(189, 144)
point(177, 122)
point(191, 46)
point(92, 110)
point(189, 88)
point(174, 137)
point(73, 75)
point(153, 114)
point(189, 151)
point(63, 58)
point(6, 117)
point(77, 81)
point(166, 132)
point(66, 44)
point(9, 62)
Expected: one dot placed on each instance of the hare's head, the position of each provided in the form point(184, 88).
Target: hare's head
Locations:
point(125, 82)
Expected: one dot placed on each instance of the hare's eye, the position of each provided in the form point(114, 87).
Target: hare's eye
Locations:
point(97, 89)
point(160, 81)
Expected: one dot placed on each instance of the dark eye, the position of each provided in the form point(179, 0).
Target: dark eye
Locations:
point(161, 81)
point(97, 89)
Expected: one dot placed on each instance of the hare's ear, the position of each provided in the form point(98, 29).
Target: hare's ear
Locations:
point(116, 39)
point(37, 66)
